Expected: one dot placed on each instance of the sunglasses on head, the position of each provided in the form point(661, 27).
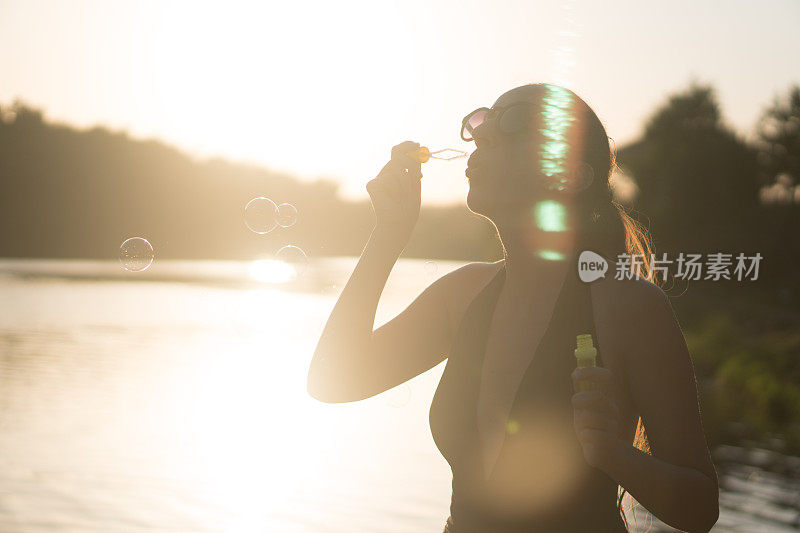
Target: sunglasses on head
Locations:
point(510, 119)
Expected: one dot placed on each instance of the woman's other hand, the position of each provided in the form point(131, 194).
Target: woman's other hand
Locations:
point(596, 416)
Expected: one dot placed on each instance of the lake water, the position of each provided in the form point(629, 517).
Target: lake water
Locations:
point(174, 400)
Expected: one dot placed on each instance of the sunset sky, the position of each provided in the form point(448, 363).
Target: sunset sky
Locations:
point(325, 89)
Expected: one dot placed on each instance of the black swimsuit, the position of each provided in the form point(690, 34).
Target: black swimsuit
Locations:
point(540, 481)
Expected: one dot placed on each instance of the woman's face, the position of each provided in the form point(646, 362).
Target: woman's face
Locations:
point(503, 170)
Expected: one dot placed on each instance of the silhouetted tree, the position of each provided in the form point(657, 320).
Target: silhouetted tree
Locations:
point(779, 139)
point(697, 178)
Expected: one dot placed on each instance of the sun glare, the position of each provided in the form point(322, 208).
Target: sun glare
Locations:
point(271, 271)
point(272, 75)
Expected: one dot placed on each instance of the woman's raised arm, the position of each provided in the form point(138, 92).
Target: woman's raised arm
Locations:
point(351, 362)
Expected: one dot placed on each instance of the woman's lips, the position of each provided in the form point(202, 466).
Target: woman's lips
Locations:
point(473, 166)
point(472, 172)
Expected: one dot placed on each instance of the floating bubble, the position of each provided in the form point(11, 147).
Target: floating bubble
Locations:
point(136, 254)
point(287, 215)
point(260, 215)
point(295, 258)
point(398, 396)
point(431, 267)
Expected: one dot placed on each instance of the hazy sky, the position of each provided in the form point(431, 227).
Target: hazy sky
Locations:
point(325, 89)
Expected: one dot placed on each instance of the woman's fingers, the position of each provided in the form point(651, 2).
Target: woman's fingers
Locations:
point(396, 194)
point(585, 419)
point(595, 401)
point(410, 168)
point(400, 154)
point(598, 433)
point(598, 374)
point(403, 170)
point(603, 377)
point(388, 180)
point(596, 415)
point(402, 173)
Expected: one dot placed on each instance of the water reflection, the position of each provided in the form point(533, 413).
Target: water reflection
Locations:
point(163, 406)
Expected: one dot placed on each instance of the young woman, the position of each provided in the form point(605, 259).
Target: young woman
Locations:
point(529, 450)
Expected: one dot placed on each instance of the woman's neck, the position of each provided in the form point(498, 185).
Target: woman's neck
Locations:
point(533, 257)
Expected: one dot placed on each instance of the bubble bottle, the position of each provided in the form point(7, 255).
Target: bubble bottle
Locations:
point(586, 355)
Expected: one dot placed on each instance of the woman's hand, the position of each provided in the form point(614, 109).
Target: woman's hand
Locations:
point(396, 194)
point(596, 416)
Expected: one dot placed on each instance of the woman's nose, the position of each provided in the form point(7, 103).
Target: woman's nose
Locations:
point(484, 134)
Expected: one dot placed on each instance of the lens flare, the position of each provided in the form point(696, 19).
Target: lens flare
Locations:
point(551, 255)
point(550, 215)
point(557, 113)
point(557, 119)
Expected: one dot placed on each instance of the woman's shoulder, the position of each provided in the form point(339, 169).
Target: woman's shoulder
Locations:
point(464, 284)
point(631, 315)
point(469, 279)
point(468, 275)
point(635, 294)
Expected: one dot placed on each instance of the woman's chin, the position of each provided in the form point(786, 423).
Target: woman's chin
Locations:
point(472, 199)
point(477, 200)
point(484, 202)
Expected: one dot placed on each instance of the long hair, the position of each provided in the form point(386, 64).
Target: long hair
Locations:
point(604, 224)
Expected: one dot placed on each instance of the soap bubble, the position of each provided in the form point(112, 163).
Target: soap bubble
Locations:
point(287, 215)
point(294, 257)
point(260, 215)
point(398, 396)
point(136, 254)
point(431, 267)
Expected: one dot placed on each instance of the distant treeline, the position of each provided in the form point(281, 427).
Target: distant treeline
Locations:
point(70, 193)
point(67, 193)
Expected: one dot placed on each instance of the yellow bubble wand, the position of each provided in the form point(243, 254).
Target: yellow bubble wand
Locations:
point(423, 154)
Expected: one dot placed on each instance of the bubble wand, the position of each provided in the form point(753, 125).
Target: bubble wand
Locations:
point(423, 154)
